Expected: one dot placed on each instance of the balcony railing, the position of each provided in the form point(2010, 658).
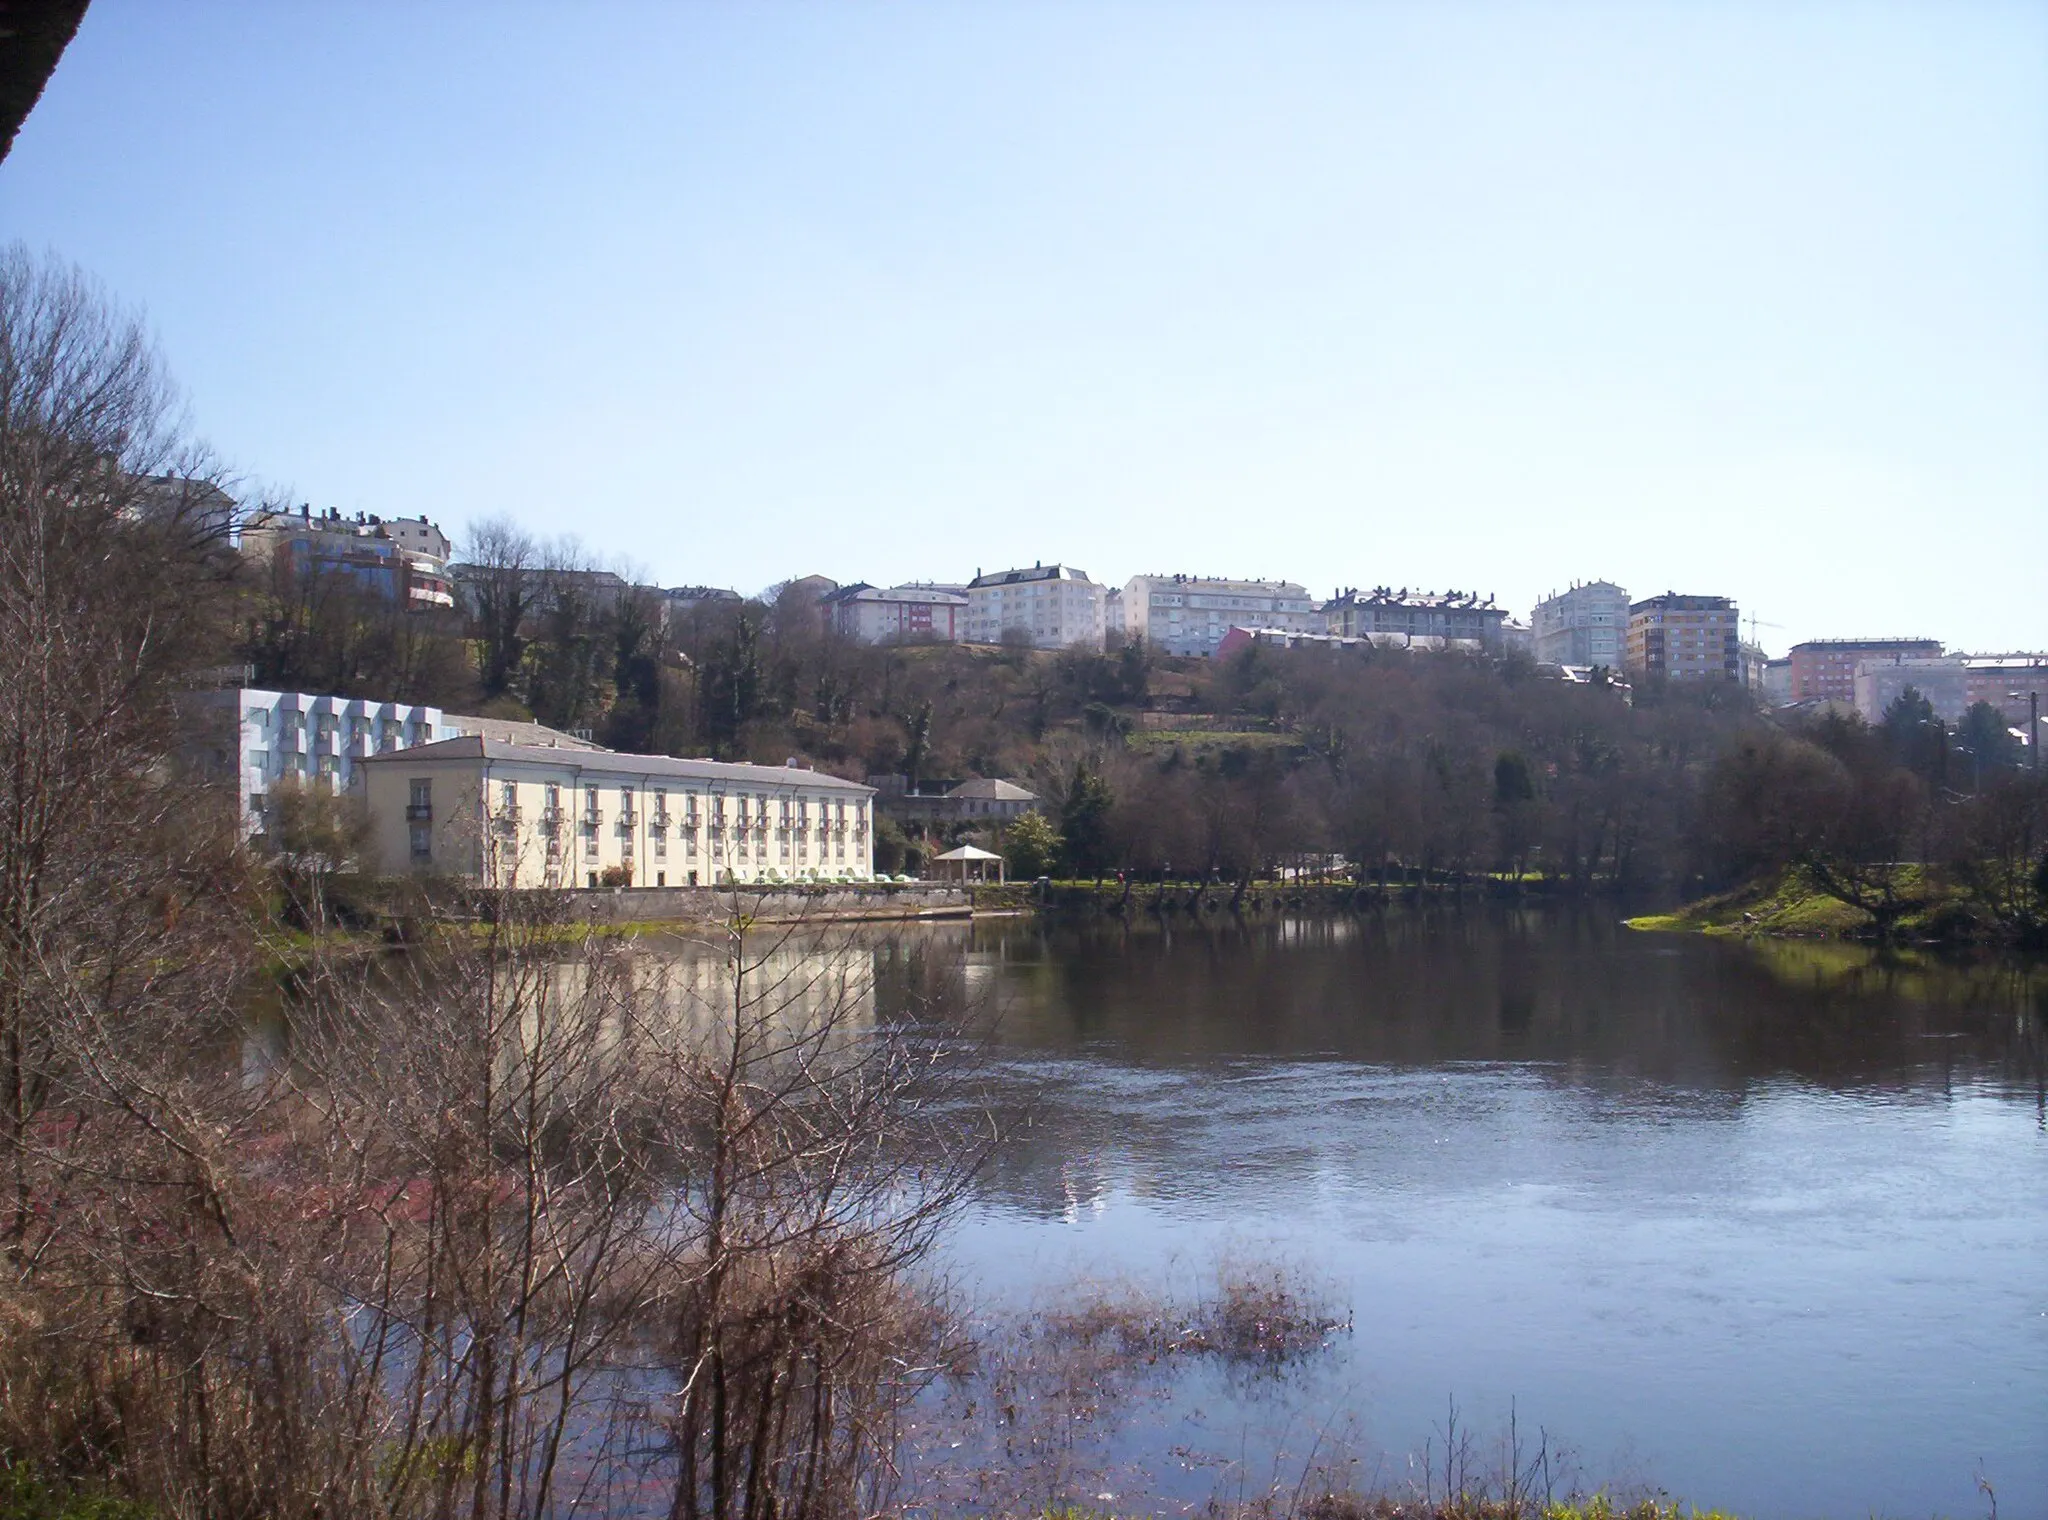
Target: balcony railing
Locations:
point(419, 812)
point(592, 818)
point(550, 819)
point(507, 820)
point(660, 822)
point(628, 819)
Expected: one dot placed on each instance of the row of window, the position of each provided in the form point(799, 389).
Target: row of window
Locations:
point(756, 809)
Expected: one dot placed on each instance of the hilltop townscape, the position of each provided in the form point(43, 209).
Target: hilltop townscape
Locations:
point(619, 734)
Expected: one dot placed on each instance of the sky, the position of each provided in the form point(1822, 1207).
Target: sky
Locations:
point(1745, 299)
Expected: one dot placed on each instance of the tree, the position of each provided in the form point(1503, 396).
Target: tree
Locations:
point(1084, 821)
point(114, 586)
point(1986, 737)
point(501, 587)
point(918, 730)
point(1998, 853)
point(1031, 847)
point(1847, 821)
point(1514, 807)
point(1915, 737)
point(310, 835)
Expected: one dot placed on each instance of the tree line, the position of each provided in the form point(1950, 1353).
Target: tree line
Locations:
point(1390, 765)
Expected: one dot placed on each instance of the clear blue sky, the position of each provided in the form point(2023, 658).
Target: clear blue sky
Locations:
point(1739, 298)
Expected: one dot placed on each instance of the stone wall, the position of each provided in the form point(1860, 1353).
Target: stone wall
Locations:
point(770, 904)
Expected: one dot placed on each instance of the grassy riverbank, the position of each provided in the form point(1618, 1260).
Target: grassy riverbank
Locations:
point(1788, 905)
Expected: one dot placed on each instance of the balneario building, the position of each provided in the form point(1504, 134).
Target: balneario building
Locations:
point(517, 815)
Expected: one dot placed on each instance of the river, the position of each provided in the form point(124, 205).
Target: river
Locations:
point(1764, 1227)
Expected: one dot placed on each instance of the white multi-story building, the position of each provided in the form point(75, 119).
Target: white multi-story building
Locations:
point(1189, 614)
point(1587, 625)
point(262, 738)
point(1053, 605)
point(899, 615)
point(517, 815)
point(1944, 680)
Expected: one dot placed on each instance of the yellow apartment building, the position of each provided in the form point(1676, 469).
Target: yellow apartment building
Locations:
point(518, 815)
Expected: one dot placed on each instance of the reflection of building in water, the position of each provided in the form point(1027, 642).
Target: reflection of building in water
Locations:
point(669, 986)
point(1087, 1190)
point(798, 983)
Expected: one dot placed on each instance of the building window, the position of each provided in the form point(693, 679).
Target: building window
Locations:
point(419, 807)
point(422, 836)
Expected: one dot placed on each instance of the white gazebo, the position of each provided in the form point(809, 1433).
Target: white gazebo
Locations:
point(971, 863)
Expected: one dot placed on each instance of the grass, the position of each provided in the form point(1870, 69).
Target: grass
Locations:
point(1204, 738)
point(1788, 906)
point(25, 1494)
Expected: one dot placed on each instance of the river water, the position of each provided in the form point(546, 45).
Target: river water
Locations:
point(1765, 1227)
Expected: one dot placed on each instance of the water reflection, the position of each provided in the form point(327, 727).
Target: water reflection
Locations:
point(1774, 1219)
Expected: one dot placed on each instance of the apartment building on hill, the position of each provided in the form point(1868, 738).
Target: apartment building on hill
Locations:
point(1675, 637)
point(1457, 618)
point(898, 615)
point(1053, 606)
point(397, 559)
point(1825, 669)
point(1586, 625)
point(1190, 614)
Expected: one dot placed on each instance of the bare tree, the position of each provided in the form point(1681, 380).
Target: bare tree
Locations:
point(111, 590)
point(502, 586)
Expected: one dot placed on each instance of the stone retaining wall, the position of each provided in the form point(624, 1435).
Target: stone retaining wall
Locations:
point(770, 904)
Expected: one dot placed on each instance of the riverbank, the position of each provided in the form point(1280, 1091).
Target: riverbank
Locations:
point(1930, 911)
point(1114, 898)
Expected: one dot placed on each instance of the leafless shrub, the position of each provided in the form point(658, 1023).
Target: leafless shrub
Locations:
point(1032, 1422)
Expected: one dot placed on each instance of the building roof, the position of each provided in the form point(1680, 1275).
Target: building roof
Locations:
point(992, 791)
point(1382, 596)
point(604, 762)
point(1868, 644)
point(1683, 601)
point(514, 731)
point(1274, 588)
point(968, 852)
point(861, 591)
point(1021, 577)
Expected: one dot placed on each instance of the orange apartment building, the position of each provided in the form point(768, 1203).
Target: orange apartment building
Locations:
point(1684, 638)
point(1825, 669)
